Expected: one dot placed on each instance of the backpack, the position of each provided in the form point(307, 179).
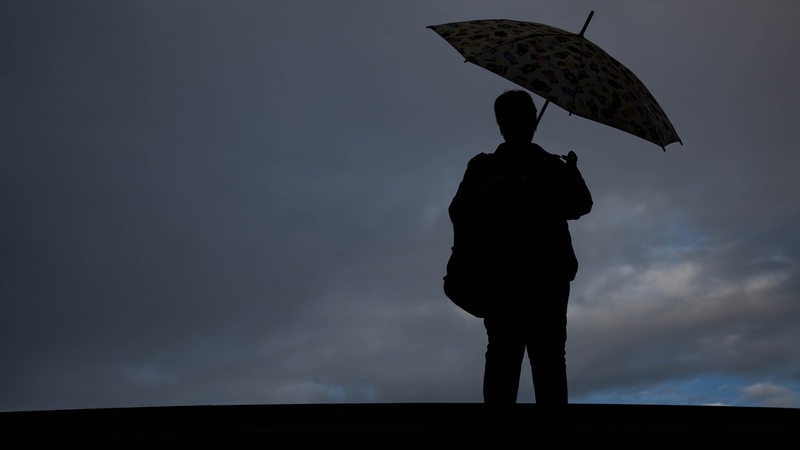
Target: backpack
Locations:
point(464, 280)
point(463, 283)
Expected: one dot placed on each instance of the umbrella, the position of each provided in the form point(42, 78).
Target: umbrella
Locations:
point(564, 68)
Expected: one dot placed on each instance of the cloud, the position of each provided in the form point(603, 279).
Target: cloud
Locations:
point(772, 395)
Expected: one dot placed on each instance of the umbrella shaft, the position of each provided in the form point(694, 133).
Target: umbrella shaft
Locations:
point(539, 119)
point(586, 24)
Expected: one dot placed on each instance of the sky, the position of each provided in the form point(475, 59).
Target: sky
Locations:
point(245, 202)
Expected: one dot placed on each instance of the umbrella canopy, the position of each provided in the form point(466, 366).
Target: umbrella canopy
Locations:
point(564, 68)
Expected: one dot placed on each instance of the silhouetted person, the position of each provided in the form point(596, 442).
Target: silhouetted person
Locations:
point(513, 206)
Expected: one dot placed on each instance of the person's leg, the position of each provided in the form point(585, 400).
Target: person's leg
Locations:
point(504, 354)
point(546, 345)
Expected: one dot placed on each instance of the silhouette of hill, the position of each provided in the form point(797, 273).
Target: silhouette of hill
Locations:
point(384, 424)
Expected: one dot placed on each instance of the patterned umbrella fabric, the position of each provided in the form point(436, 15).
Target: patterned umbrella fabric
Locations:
point(564, 68)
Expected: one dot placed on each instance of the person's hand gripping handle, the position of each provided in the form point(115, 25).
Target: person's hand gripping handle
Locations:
point(571, 158)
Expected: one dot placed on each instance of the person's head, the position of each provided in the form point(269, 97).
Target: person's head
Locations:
point(516, 116)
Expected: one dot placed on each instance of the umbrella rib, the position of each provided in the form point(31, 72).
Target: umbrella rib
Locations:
point(527, 36)
point(580, 65)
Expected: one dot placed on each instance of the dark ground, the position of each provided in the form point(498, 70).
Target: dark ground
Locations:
point(392, 424)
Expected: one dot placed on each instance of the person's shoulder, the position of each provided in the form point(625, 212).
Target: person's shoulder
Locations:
point(482, 156)
point(481, 159)
point(548, 157)
point(480, 165)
